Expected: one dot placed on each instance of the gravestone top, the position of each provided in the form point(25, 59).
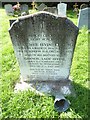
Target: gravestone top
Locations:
point(41, 7)
point(24, 8)
point(9, 10)
point(51, 9)
point(0, 4)
point(84, 17)
point(62, 9)
point(83, 6)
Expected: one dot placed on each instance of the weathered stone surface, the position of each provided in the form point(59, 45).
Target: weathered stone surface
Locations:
point(0, 4)
point(24, 8)
point(84, 18)
point(9, 10)
point(41, 7)
point(44, 44)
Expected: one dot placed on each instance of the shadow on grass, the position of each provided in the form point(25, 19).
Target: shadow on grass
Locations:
point(71, 14)
point(80, 103)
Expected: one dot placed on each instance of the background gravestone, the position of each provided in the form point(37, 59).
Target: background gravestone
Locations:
point(62, 7)
point(83, 6)
point(44, 44)
point(0, 4)
point(9, 10)
point(24, 8)
point(41, 7)
point(51, 9)
point(84, 18)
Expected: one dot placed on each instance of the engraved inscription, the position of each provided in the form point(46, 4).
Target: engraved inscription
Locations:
point(42, 57)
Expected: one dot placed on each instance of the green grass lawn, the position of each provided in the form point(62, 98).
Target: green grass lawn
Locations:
point(30, 105)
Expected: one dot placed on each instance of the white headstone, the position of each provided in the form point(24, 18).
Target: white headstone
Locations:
point(62, 7)
point(9, 9)
point(84, 18)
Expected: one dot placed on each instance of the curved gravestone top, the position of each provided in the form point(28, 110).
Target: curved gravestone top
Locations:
point(83, 6)
point(44, 44)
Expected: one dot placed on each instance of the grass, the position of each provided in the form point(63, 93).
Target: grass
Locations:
point(28, 104)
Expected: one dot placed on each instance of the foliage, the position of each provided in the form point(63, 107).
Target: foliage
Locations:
point(30, 105)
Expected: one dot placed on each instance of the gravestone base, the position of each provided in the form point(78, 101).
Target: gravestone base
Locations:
point(24, 86)
point(53, 88)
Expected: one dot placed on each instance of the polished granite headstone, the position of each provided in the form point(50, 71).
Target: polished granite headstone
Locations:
point(44, 45)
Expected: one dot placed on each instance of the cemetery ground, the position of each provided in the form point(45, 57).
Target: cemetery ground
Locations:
point(28, 104)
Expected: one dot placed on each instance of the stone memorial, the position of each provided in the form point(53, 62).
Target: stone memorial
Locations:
point(44, 45)
point(0, 4)
point(24, 8)
point(9, 10)
point(62, 7)
point(41, 7)
point(51, 9)
point(84, 18)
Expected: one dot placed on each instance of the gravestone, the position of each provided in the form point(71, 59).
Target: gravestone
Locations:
point(43, 53)
point(41, 7)
point(82, 6)
point(0, 4)
point(44, 45)
point(62, 9)
point(51, 9)
point(84, 18)
point(9, 10)
point(24, 8)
